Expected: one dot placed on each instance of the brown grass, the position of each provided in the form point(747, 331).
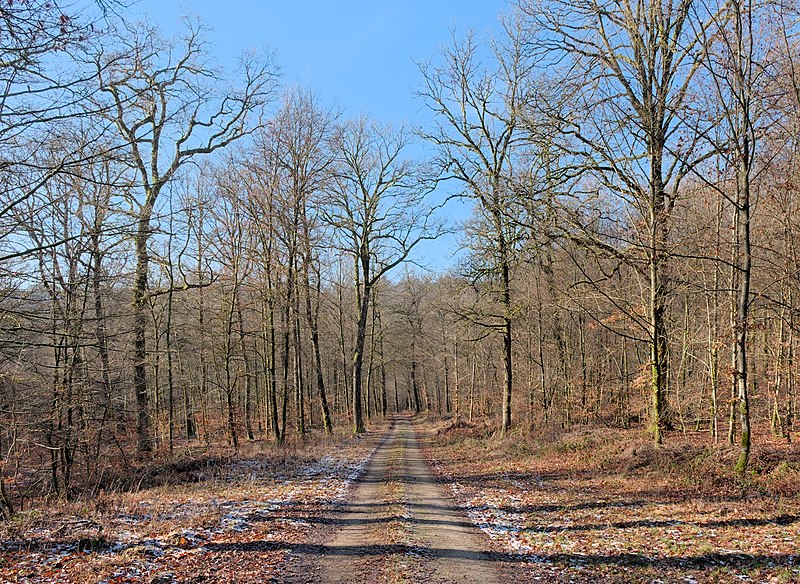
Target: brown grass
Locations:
point(602, 504)
point(163, 517)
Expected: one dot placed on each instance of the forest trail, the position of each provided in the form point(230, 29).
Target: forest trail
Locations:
point(398, 526)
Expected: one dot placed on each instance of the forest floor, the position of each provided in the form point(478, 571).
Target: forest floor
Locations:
point(604, 505)
point(433, 501)
point(214, 519)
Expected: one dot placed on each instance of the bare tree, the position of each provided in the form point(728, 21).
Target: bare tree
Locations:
point(302, 131)
point(377, 207)
point(478, 133)
point(262, 172)
point(628, 67)
point(740, 74)
point(170, 107)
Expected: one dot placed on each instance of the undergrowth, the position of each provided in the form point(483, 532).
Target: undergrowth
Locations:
point(689, 461)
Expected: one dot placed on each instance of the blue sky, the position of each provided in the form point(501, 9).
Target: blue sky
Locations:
point(358, 55)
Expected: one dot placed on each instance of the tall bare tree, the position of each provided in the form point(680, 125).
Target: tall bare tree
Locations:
point(740, 74)
point(478, 133)
point(628, 68)
point(377, 207)
point(303, 131)
point(169, 107)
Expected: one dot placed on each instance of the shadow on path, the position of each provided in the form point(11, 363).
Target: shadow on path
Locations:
point(731, 560)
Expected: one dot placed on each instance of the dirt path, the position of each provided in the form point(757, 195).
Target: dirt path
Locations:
point(399, 526)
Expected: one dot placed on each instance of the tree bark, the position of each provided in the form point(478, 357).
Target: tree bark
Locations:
point(140, 321)
point(358, 350)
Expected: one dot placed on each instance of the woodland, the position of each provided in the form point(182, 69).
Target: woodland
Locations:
point(199, 262)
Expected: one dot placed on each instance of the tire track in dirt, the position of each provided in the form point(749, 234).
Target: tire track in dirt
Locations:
point(399, 526)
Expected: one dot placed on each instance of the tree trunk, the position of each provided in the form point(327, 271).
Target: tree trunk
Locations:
point(414, 384)
point(312, 318)
point(230, 378)
point(287, 333)
point(456, 385)
point(298, 372)
point(140, 321)
point(358, 351)
point(656, 307)
point(508, 384)
point(248, 373)
point(743, 303)
point(170, 373)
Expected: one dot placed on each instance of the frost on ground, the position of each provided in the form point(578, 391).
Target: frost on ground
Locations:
point(567, 521)
point(236, 528)
point(490, 513)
